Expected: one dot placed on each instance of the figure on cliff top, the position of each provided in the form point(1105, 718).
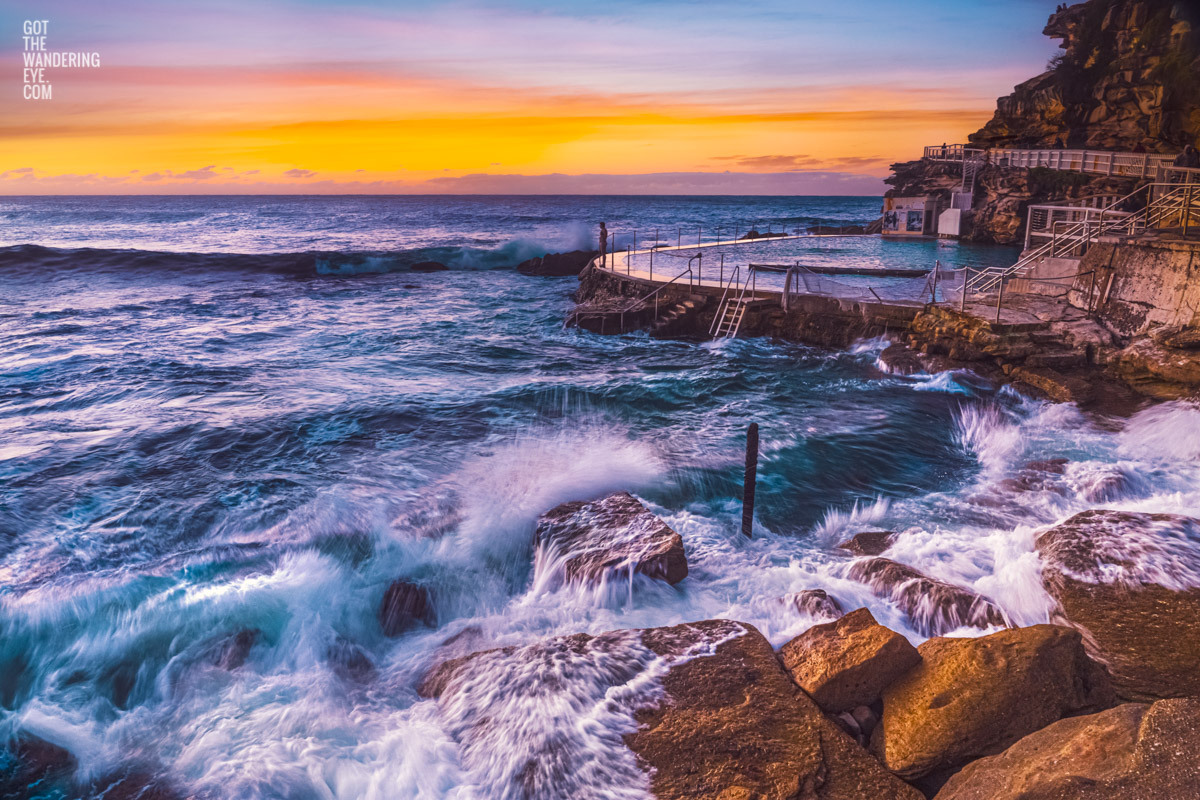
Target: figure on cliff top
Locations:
point(603, 245)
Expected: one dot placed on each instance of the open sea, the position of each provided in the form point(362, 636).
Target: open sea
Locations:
point(245, 417)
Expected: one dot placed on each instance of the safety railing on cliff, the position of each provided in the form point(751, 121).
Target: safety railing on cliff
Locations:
point(1096, 162)
point(1165, 206)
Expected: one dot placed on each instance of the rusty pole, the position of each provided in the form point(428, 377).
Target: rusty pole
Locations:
point(750, 478)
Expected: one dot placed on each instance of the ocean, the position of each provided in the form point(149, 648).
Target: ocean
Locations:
point(245, 417)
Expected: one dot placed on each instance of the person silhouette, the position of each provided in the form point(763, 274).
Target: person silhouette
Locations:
point(603, 245)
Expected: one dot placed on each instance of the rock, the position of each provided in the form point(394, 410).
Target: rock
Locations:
point(234, 650)
point(724, 721)
point(349, 661)
point(557, 264)
point(848, 663)
point(429, 266)
point(974, 697)
point(1131, 751)
point(1050, 466)
point(1178, 337)
point(1157, 371)
point(132, 784)
point(1131, 583)
point(814, 603)
point(611, 534)
point(29, 761)
point(933, 606)
point(869, 543)
point(733, 725)
point(899, 359)
point(404, 605)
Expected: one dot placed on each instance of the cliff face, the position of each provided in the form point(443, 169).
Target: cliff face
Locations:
point(1128, 76)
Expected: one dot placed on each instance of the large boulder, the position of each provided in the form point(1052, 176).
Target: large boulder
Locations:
point(934, 607)
point(974, 697)
point(404, 605)
point(557, 264)
point(848, 663)
point(1130, 582)
point(707, 708)
point(1133, 751)
point(616, 533)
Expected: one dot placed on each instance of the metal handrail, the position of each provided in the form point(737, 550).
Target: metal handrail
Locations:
point(733, 276)
point(654, 294)
point(989, 277)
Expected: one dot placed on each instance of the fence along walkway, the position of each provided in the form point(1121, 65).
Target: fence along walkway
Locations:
point(1095, 162)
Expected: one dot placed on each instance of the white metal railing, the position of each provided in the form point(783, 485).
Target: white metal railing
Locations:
point(1168, 205)
point(952, 152)
point(1096, 162)
point(1046, 221)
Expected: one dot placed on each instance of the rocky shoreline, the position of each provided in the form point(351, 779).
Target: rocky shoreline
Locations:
point(1100, 704)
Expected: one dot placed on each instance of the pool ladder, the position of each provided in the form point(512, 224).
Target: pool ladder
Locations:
point(728, 319)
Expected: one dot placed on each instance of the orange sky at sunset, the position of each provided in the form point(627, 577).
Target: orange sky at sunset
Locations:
point(407, 102)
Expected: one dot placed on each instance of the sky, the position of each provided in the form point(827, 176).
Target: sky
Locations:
point(500, 96)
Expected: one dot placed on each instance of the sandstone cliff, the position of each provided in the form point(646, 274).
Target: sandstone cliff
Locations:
point(1128, 77)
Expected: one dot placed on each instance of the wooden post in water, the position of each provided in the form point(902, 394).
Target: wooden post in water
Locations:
point(750, 478)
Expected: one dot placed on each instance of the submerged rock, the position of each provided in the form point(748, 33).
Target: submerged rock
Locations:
point(934, 607)
point(614, 533)
point(404, 605)
point(1133, 751)
point(814, 603)
point(974, 697)
point(718, 718)
point(233, 651)
point(1131, 583)
point(869, 543)
point(848, 663)
point(29, 761)
point(557, 264)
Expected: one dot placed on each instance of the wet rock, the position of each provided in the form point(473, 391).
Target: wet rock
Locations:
point(814, 603)
point(429, 266)
point(725, 721)
point(869, 543)
point(974, 697)
point(233, 651)
point(349, 661)
point(614, 533)
point(1050, 466)
point(898, 359)
point(133, 785)
point(733, 725)
point(934, 607)
point(1131, 751)
point(1157, 371)
point(557, 264)
point(1177, 337)
point(848, 663)
point(1104, 484)
point(1131, 583)
point(30, 761)
point(404, 605)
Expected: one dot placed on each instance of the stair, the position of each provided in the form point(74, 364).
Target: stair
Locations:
point(730, 321)
point(971, 167)
point(668, 321)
